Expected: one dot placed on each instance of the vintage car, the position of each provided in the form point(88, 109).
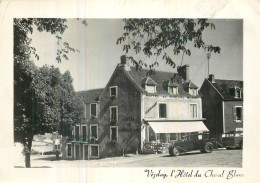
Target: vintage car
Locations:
point(201, 142)
point(233, 140)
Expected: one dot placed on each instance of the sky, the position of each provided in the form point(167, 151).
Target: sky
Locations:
point(99, 53)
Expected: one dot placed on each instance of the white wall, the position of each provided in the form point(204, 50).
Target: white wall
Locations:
point(176, 107)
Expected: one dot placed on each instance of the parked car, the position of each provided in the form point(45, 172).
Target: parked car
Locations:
point(233, 140)
point(201, 142)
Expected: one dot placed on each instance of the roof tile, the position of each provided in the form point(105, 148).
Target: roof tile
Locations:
point(90, 96)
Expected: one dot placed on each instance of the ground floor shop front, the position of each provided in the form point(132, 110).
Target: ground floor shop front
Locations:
point(157, 135)
point(154, 137)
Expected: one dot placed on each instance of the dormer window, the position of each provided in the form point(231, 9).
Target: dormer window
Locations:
point(173, 90)
point(193, 91)
point(149, 85)
point(190, 88)
point(238, 93)
point(150, 88)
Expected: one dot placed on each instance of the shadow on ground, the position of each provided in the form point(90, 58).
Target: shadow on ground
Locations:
point(33, 167)
point(184, 154)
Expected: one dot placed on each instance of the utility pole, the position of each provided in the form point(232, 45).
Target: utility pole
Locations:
point(208, 57)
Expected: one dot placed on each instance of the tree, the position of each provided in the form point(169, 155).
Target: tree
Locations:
point(155, 37)
point(39, 106)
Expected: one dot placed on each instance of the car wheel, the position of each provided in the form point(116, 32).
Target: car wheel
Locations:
point(176, 151)
point(207, 148)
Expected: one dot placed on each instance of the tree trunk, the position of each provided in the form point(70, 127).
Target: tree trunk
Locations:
point(28, 160)
point(27, 152)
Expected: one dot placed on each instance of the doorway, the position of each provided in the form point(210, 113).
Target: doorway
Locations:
point(85, 152)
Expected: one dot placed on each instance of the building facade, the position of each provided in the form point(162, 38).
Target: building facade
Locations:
point(222, 102)
point(136, 108)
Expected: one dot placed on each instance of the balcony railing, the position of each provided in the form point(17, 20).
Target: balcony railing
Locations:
point(78, 138)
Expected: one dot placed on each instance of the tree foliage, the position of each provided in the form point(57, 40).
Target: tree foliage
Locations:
point(48, 103)
point(154, 37)
point(44, 99)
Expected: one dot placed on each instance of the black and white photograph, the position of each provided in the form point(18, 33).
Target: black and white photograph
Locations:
point(128, 92)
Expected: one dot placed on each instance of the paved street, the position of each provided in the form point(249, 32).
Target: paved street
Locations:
point(220, 158)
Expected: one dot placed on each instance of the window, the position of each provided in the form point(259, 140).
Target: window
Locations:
point(84, 132)
point(93, 131)
point(239, 129)
point(173, 136)
point(85, 151)
point(57, 147)
point(93, 110)
point(162, 111)
point(69, 150)
point(150, 88)
point(85, 111)
point(76, 129)
point(173, 90)
point(113, 114)
point(193, 110)
point(113, 91)
point(114, 133)
point(193, 91)
point(94, 151)
point(237, 93)
point(238, 114)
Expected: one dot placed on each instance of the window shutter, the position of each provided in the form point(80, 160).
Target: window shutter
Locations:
point(234, 113)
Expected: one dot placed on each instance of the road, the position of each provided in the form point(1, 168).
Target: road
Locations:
point(219, 158)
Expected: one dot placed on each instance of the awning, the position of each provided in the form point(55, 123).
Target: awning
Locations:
point(178, 127)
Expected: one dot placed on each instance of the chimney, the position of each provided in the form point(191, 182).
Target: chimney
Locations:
point(185, 72)
point(212, 78)
point(125, 62)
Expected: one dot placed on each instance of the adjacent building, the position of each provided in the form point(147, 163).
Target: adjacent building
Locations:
point(135, 108)
point(222, 102)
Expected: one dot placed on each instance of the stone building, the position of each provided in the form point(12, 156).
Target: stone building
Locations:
point(222, 105)
point(135, 108)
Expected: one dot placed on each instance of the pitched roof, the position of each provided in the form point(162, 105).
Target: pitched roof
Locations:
point(161, 78)
point(171, 83)
point(148, 81)
point(90, 96)
point(225, 88)
point(189, 84)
